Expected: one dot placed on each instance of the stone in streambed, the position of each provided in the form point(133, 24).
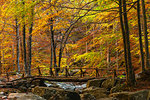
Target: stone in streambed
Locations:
point(50, 93)
point(95, 82)
point(138, 95)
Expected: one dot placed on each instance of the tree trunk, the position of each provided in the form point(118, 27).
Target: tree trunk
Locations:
point(51, 60)
point(130, 76)
point(145, 35)
point(24, 38)
point(108, 55)
point(13, 56)
point(140, 36)
point(123, 34)
point(54, 47)
point(0, 60)
point(60, 51)
point(30, 40)
point(17, 39)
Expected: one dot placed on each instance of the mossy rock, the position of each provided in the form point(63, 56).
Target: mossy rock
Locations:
point(50, 93)
point(117, 88)
point(108, 84)
point(95, 82)
point(87, 96)
point(96, 92)
point(138, 95)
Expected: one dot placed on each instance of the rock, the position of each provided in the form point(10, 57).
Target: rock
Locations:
point(2, 93)
point(20, 83)
point(4, 97)
point(2, 79)
point(107, 99)
point(32, 86)
point(144, 76)
point(117, 88)
point(138, 95)
point(50, 93)
point(38, 83)
point(9, 83)
point(96, 92)
point(2, 86)
point(87, 96)
point(95, 82)
point(109, 83)
point(24, 96)
point(30, 96)
point(13, 96)
point(23, 88)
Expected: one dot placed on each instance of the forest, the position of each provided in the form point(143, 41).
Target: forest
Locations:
point(82, 38)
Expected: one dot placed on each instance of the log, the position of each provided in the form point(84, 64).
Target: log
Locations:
point(63, 79)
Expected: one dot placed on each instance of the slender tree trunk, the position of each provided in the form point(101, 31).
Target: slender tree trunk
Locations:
point(21, 50)
point(30, 40)
point(51, 54)
point(108, 56)
point(17, 39)
point(140, 36)
point(51, 60)
point(145, 35)
point(30, 48)
point(0, 60)
point(24, 38)
point(53, 43)
point(60, 52)
point(123, 34)
point(131, 76)
point(13, 56)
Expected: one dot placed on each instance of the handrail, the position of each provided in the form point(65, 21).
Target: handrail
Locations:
point(67, 74)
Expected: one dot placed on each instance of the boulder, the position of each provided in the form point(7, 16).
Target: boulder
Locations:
point(107, 99)
point(38, 83)
point(95, 82)
point(95, 91)
point(24, 96)
point(2, 94)
point(13, 96)
point(117, 88)
point(30, 96)
point(87, 96)
point(138, 95)
point(50, 93)
point(108, 84)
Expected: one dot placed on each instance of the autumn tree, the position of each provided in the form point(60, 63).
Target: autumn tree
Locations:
point(140, 36)
point(145, 35)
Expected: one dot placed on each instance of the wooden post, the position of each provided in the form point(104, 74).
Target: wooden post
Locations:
point(66, 71)
point(97, 73)
point(51, 72)
point(7, 75)
point(22, 75)
point(81, 72)
point(40, 74)
point(115, 75)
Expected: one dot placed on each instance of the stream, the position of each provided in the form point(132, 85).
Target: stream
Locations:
point(67, 85)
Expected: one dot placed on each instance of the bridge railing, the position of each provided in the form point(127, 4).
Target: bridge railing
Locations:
point(81, 73)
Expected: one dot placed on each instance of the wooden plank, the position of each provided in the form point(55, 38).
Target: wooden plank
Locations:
point(63, 79)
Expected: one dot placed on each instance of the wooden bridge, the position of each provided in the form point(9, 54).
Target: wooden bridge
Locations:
point(81, 75)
